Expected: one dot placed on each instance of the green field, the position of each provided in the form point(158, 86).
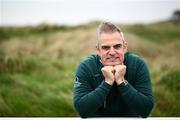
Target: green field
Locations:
point(37, 66)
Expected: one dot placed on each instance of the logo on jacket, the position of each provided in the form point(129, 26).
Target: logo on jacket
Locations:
point(76, 82)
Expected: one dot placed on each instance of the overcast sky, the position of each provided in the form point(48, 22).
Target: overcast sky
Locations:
point(32, 12)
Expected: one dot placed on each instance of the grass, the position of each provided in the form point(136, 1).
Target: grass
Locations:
point(37, 66)
point(167, 95)
point(41, 29)
point(160, 32)
point(45, 90)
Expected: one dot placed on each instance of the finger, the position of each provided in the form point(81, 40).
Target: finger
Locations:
point(113, 71)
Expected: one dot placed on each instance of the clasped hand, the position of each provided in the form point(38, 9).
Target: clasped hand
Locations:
point(114, 74)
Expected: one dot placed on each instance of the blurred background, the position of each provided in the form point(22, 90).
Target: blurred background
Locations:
point(42, 42)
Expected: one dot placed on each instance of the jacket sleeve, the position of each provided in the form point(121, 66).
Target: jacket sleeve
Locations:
point(139, 97)
point(86, 99)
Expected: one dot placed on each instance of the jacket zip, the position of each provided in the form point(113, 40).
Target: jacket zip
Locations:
point(105, 104)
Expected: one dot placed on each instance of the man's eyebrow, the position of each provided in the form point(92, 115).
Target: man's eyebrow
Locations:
point(118, 44)
point(104, 45)
point(110, 45)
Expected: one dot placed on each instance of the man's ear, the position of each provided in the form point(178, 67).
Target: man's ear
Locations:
point(97, 49)
point(125, 47)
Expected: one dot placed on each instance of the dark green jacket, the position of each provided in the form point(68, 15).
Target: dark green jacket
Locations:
point(93, 97)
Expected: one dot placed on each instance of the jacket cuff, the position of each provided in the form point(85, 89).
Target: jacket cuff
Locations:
point(125, 88)
point(105, 86)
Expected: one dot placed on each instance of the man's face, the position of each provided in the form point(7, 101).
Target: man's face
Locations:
point(111, 49)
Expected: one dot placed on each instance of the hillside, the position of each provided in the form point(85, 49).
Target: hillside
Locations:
point(37, 66)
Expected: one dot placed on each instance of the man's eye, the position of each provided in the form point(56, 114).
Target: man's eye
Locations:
point(105, 47)
point(118, 46)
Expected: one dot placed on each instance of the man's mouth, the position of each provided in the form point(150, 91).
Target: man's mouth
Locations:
point(112, 59)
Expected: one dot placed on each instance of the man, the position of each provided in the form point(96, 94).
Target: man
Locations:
point(114, 83)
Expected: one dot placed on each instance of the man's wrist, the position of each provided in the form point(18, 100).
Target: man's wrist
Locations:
point(109, 82)
point(123, 83)
point(119, 81)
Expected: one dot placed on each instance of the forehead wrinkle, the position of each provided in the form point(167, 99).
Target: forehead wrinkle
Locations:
point(110, 44)
point(115, 40)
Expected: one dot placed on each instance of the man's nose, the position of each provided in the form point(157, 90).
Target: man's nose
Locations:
point(112, 51)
